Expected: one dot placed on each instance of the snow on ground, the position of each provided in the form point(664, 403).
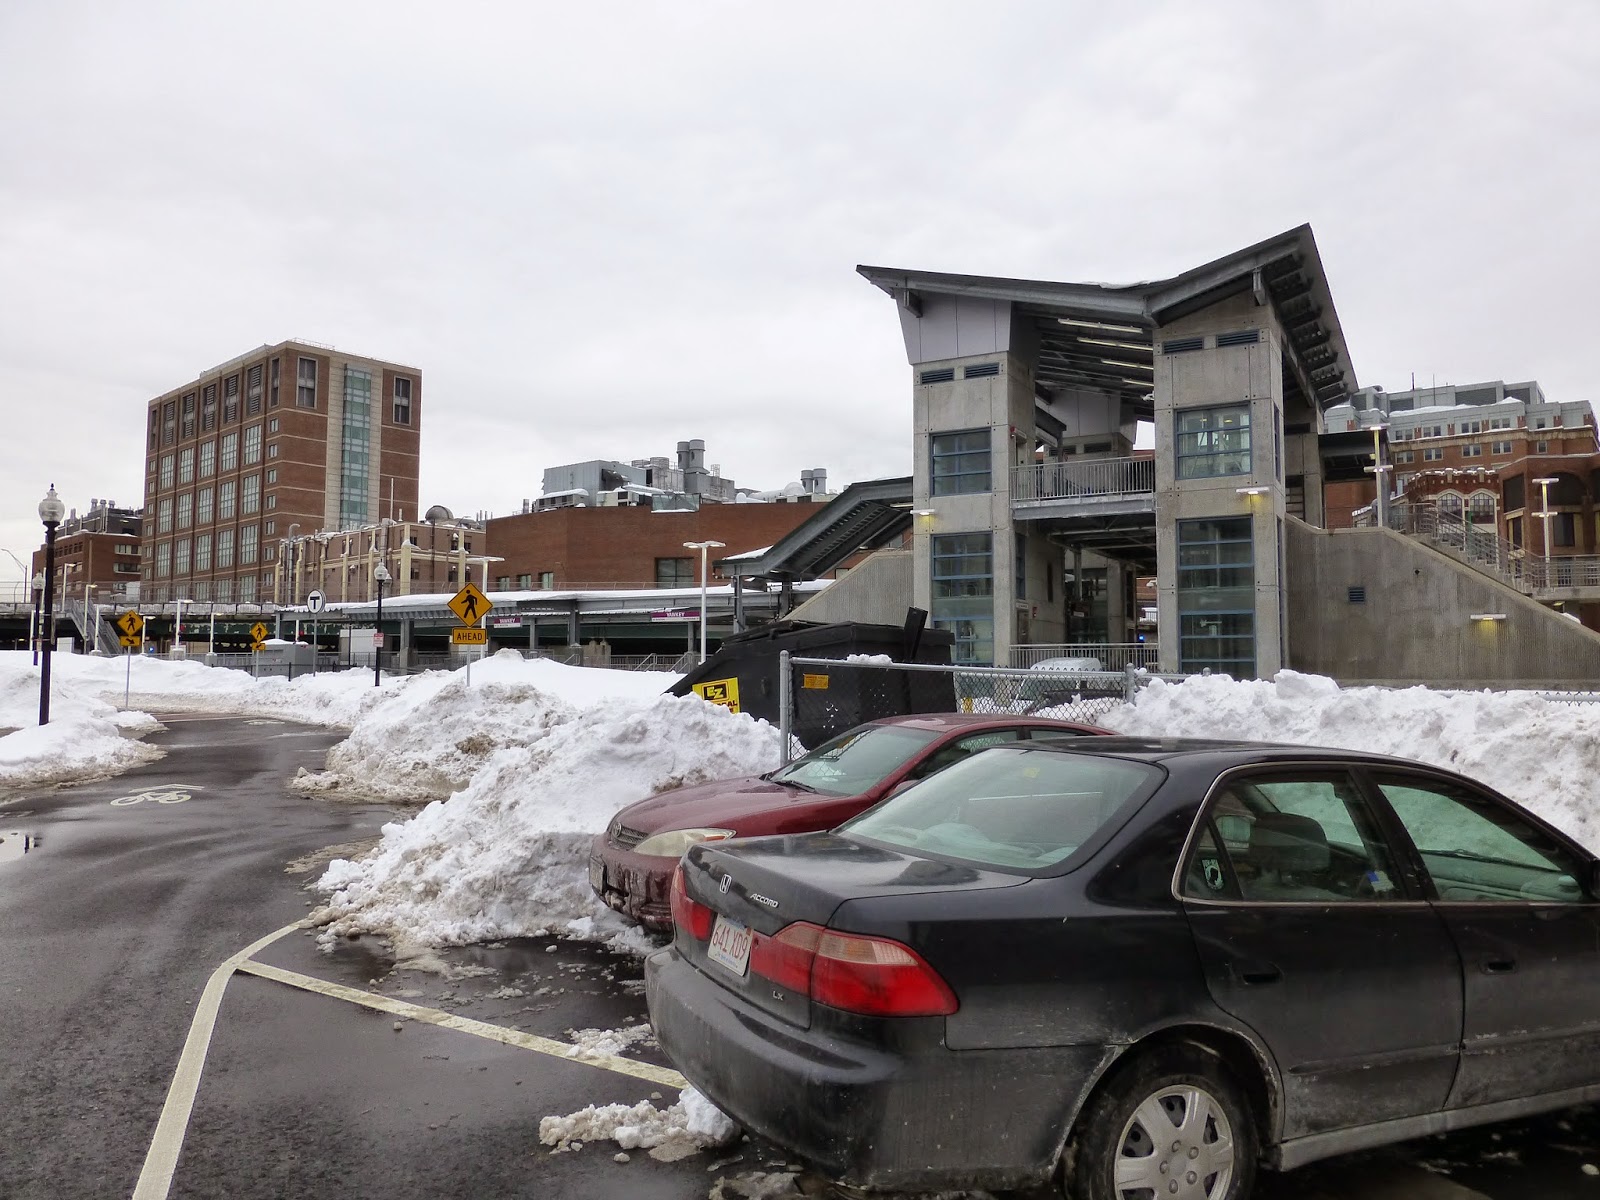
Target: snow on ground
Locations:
point(87, 737)
point(507, 855)
point(1544, 754)
point(678, 1130)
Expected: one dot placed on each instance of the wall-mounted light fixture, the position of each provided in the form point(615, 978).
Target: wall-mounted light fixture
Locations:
point(1487, 617)
point(1251, 491)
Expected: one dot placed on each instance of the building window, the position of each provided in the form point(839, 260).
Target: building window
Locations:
point(180, 557)
point(963, 593)
point(247, 589)
point(208, 459)
point(306, 389)
point(185, 510)
point(1502, 423)
point(169, 422)
point(224, 549)
point(1541, 447)
point(167, 462)
point(186, 465)
point(525, 582)
point(202, 552)
point(1563, 530)
point(230, 452)
point(1472, 450)
point(1020, 567)
point(272, 500)
point(961, 462)
point(253, 391)
point(1216, 597)
point(355, 447)
point(1430, 431)
point(230, 399)
point(247, 544)
point(225, 497)
point(547, 580)
point(272, 475)
point(208, 406)
point(164, 516)
point(271, 527)
point(163, 560)
point(1433, 454)
point(252, 445)
point(402, 401)
point(272, 384)
point(188, 415)
point(675, 572)
point(1500, 448)
point(272, 449)
point(202, 507)
point(250, 495)
point(1213, 441)
point(1404, 456)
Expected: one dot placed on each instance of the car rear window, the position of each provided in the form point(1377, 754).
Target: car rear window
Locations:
point(1009, 807)
point(855, 761)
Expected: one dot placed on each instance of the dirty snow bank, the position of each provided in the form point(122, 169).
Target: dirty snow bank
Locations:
point(506, 856)
point(681, 1129)
point(87, 737)
point(1544, 754)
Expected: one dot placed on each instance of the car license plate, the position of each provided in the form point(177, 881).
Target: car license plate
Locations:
point(729, 945)
point(597, 875)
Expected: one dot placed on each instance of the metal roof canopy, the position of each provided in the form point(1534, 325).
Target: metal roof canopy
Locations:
point(1102, 336)
point(863, 516)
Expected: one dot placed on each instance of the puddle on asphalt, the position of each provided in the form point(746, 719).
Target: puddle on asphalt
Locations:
point(15, 845)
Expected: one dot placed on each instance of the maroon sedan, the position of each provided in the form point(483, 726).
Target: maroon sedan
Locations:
point(631, 863)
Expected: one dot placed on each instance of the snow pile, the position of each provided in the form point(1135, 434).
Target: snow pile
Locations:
point(608, 1043)
point(681, 1129)
point(87, 737)
point(507, 855)
point(1543, 754)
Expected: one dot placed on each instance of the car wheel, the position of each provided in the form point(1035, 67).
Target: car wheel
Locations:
point(1171, 1125)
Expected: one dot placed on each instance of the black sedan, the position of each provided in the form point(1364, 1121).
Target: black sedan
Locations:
point(1144, 965)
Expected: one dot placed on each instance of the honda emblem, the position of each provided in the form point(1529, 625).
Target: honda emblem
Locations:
point(727, 882)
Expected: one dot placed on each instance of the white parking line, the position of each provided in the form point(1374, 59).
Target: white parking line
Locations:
point(495, 1033)
point(155, 1179)
point(161, 1160)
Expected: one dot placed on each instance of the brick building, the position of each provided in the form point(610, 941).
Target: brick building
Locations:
point(98, 551)
point(628, 546)
point(291, 434)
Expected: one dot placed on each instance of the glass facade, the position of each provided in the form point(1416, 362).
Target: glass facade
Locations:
point(961, 462)
point(1213, 441)
point(963, 593)
point(1216, 596)
point(355, 446)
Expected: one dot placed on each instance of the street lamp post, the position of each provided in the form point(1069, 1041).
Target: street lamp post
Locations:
point(1544, 514)
point(38, 608)
point(380, 577)
point(51, 510)
point(703, 547)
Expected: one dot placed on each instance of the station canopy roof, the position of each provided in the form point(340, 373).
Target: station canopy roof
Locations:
point(1102, 336)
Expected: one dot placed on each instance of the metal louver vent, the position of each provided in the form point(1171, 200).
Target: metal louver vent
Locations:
point(1182, 345)
point(1242, 337)
point(980, 370)
point(941, 375)
point(1357, 595)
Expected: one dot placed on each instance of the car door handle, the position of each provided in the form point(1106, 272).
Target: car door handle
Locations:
point(1498, 966)
point(1255, 974)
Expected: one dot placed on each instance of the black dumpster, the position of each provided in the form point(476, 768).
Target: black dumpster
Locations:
point(743, 674)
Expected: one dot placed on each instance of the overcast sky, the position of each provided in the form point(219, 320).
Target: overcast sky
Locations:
point(598, 229)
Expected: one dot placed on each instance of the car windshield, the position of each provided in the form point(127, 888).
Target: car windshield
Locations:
point(1008, 807)
point(855, 761)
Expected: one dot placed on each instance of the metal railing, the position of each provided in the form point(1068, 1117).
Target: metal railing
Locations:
point(1481, 545)
point(1084, 479)
point(1112, 656)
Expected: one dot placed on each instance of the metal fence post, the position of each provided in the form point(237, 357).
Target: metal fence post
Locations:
point(785, 701)
point(1130, 683)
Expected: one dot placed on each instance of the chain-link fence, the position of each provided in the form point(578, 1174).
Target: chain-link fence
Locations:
point(822, 697)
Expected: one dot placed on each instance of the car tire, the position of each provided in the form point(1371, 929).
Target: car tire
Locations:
point(1140, 1118)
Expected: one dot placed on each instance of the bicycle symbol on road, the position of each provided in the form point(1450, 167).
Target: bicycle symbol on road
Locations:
point(166, 793)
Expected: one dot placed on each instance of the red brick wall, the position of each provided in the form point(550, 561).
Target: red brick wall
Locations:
point(1340, 500)
point(621, 545)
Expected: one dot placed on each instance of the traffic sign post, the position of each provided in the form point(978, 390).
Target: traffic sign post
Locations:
point(130, 633)
point(258, 634)
point(471, 607)
point(316, 602)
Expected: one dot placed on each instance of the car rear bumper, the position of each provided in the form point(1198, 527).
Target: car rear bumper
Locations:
point(909, 1114)
point(635, 885)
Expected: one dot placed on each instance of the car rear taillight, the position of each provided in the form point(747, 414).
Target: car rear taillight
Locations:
point(688, 914)
point(874, 976)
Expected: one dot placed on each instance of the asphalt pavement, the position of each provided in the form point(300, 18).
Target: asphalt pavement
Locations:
point(119, 899)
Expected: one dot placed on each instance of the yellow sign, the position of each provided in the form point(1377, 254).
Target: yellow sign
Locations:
point(131, 624)
point(130, 643)
point(720, 691)
point(470, 605)
point(469, 636)
point(815, 682)
point(258, 632)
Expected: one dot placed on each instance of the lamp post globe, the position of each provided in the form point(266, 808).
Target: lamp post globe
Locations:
point(51, 510)
point(380, 577)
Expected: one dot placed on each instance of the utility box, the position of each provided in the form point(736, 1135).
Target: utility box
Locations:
point(828, 702)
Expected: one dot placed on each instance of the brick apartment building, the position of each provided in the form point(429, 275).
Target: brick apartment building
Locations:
point(294, 434)
point(97, 552)
point(629, 546)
